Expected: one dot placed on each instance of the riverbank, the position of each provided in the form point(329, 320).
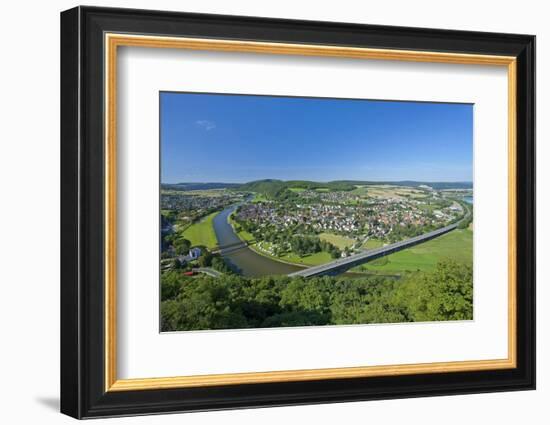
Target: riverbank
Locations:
point(202, 232)
point(302, 262)
point(423, 257)
point(246, 260)
point(249, 239)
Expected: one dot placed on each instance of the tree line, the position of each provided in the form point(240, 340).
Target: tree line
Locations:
point(306, 245)
point(233, 301)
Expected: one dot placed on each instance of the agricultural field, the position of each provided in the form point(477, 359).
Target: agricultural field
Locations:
point(456, 245)
point(202, 232)
point(398, 192)
point(389, 191)
point(360, 191)
point(210, 193)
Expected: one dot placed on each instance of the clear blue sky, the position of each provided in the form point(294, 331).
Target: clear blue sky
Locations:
point(240, 138)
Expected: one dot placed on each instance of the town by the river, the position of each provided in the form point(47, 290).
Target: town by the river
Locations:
point(278, 228)
point(242, 258)
point(280, 211)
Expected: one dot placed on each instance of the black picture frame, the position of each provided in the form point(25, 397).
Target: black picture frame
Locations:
point(83, 392)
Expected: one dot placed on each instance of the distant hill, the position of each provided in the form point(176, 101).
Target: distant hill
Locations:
point(198, 186)
point(271, 187)
point(277, 188)
point(310, 185)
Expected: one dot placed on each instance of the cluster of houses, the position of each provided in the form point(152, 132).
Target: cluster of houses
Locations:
point(335, 197)
point(449, 213)
point(318, 217)
point(314, 212)
point(375, 218)
point(196, 203)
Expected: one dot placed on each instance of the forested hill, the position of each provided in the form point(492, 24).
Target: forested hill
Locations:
point(233, 302)
point(273, 187)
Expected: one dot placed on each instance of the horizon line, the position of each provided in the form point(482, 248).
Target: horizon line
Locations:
point(320, 181)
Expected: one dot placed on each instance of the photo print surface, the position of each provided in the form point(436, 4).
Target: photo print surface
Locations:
point(293, 211)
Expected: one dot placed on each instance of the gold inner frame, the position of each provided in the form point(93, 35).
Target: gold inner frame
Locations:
point(113, 41)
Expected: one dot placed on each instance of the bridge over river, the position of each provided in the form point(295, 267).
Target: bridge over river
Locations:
point(343, 264)
point(230, 247)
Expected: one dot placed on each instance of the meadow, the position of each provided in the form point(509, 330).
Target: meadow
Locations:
point(337, 240)
point(202, 232)
point(456, 245)
point(307, 260)
point(372, 243)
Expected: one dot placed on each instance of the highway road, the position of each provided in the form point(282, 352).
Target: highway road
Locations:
point(343, 264)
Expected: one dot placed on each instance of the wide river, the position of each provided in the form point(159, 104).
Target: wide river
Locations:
point(248, 262)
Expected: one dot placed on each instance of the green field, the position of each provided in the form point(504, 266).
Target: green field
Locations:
point(259, 197)
point(337, 240)
point(389, 191)
point(202, 233)
point(245, 236)
point(372, 243)
point(456, 245)
point(360, 190)
point(296, 189)
point(308, 260)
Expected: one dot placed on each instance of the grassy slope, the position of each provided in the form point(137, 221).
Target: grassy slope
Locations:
point(258, 197)
point(337, 240)
point(456, 245)
point(246, 236)
point(202, 233)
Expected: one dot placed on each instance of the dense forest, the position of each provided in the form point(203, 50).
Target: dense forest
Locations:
point(233, 301)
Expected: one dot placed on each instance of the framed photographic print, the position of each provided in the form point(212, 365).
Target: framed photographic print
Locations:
point(261, 212)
